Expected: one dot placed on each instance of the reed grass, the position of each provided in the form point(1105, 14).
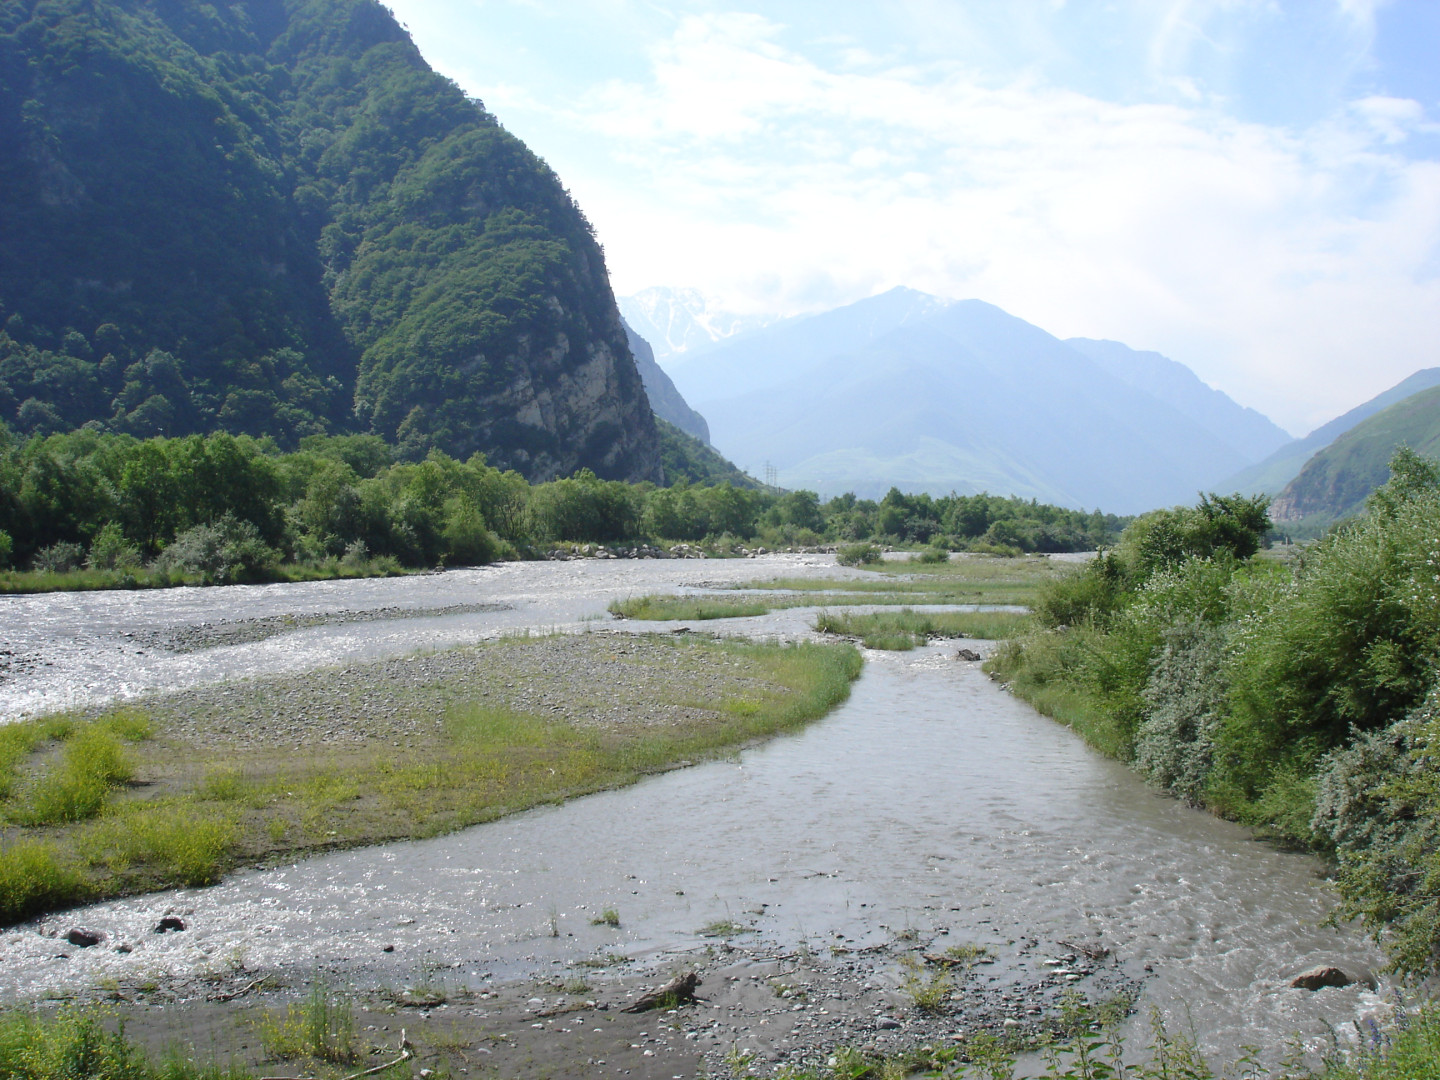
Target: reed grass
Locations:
point(905, 629)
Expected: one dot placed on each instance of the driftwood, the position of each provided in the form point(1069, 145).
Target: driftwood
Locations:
point(561, 1010)
point(678, 990)
point(238, 993)
point(1090, 952)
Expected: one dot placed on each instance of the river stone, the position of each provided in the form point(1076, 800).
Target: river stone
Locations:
point(169, 922)
point(1320, 976)
point(83, 938)
point(967, 654)
point(886, 1023)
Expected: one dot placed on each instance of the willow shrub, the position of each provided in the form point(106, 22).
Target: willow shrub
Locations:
point(1348, 644)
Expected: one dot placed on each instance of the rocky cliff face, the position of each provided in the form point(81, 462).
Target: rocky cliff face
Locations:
point(665, 399)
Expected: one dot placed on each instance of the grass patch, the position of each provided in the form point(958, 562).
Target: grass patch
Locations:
point(928, 990)
point(906, 628)
point(664, 607)
point(487, 731)
point(608, 917)
point(322, 1027)
point(725, 928)
point(1036, 667)
point(964, 581)
point(76, 1045)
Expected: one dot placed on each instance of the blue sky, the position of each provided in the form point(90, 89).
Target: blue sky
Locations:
point(1249, 186)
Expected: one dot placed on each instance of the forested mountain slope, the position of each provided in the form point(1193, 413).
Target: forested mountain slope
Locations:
point(1270, 476)
point(1336, 482)
point(274, 218)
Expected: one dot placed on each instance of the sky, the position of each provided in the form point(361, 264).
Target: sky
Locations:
point(1251, 187)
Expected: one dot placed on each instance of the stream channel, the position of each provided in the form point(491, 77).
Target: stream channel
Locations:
point(931, 805)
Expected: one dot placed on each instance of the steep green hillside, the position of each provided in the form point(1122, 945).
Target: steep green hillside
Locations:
point(1335, 482)
point(1270, 476)
point(688, 460)
point(274, 218)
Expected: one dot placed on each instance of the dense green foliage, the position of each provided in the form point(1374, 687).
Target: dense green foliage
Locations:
point(687, 460)
point(272, 218)
point(233, 508)
point(1291, 697)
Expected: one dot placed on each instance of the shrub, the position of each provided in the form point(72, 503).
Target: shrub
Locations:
point(224, 550)
point(1379, 803)
point(58, 558)
point(92, 764)
point(32, 879)
point(1088, 598)
point(110, 550)
point(1184, 698)
point(7, 548)
point(857, 554)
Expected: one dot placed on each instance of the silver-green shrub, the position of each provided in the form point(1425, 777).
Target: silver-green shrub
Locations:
point(1185, 700)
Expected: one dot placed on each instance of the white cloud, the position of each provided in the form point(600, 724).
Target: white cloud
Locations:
point(1287, 268)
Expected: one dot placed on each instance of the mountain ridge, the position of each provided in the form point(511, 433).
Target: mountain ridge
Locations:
point(1336, 481)
point(931, 395)
point(1270, 476)
point(274, 218)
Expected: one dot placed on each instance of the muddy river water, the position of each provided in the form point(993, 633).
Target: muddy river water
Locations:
point(931, 804)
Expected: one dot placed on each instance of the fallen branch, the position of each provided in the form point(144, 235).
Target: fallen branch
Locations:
point(239, 993)
point(406, 1053)
point(1092, 952)
point(561, 1010)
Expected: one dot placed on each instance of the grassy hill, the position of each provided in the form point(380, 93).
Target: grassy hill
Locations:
point(1335, 482)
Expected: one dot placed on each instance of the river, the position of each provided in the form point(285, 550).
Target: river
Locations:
point(930, 803)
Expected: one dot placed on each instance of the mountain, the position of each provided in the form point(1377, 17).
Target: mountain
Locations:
point(909, 390)
point(665, 400)
point(272, 217)
point(680, 321)
point(1249, 433)
point(1271, 475)
point(778, 353)
point(1335, 482)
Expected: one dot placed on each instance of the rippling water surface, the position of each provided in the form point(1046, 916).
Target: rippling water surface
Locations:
point(930, 800)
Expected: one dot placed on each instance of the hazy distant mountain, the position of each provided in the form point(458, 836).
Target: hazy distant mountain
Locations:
point(679, 321)
point(909, 390)
point(780, 352)
point(1334, 483)
point(1271, 475)
point(665, 400)
point(1252, 434)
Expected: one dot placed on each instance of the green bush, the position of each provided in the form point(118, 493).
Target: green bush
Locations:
point(1184, 701)
point(1378, 802)
point(857, 554)
point(225, 550)
point(110, 550)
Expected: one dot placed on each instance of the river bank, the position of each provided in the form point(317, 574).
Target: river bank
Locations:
point(930, 809)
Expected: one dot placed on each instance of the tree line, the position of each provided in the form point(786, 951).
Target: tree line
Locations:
point(112, 501)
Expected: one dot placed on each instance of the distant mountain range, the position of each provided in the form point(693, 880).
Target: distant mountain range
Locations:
point(909, 390)
point(679, 321)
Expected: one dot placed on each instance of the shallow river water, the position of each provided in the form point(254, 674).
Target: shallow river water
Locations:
point(931, 801)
